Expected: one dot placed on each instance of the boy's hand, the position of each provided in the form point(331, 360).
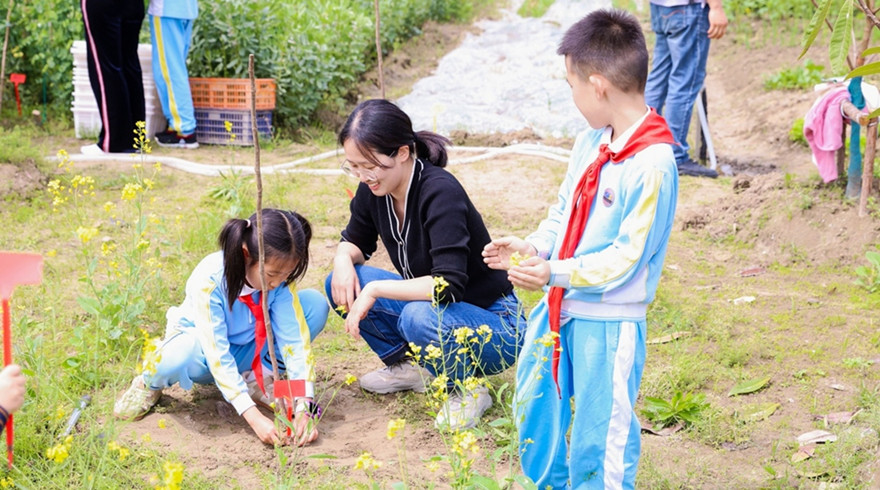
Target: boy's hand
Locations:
point(531, 274)
point(497, 253)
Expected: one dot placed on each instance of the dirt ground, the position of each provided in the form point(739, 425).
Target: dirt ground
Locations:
point(750, 131)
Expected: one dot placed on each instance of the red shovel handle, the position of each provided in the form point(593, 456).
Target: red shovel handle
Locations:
point(7, 360)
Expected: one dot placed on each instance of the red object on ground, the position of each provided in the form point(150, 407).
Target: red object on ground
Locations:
point(16, 79)
point(288, 390)
point(15, 269)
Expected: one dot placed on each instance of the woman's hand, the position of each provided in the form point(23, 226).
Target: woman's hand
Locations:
point(306, 429)
point(262, 426)
point(531, 274)
point(344, 287)
point(359, 309)
point(497, 253)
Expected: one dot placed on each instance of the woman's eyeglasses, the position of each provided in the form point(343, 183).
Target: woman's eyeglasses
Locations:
point(365, 170)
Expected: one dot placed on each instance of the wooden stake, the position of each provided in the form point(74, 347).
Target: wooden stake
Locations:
point(270, 338)
point(868, 166)
point(379, 50)
point(5, 44)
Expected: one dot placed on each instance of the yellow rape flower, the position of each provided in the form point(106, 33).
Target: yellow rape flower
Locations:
point(173, 476)
point(349, 379)
point(485, 332)
point(462, 334)
point(366, 462)
point(130, 191)
point(60, 452)
point(471, 383)
point(86, 234)
point(147, 437)
point(548, 339)
point(6, 482)
point(433, 352)
point(516, 258)
point(465, 442)
point(161, 423)
point(395, 426)
point(108, 206)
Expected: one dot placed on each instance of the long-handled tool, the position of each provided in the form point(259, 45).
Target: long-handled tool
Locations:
point(74, 417)
point(15, 269)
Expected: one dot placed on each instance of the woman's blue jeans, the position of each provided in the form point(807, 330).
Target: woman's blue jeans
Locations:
point(391, 325)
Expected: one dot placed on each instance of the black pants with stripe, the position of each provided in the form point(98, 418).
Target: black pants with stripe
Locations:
point(112, 28)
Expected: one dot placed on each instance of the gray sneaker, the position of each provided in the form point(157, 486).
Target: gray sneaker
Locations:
point(136, 401)
point(398, 377)
point(463, 410)
point(262, 399)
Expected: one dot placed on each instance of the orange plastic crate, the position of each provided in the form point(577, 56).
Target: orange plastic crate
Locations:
point(231, 93)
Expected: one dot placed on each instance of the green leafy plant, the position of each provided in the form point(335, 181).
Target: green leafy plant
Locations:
point(796, 133)
point(682, 408)
point(869, 276)
point(534, 8)
point(798, 77)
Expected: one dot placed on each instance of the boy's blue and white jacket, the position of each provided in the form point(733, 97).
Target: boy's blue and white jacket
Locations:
point(617, 263)
point(206, 310)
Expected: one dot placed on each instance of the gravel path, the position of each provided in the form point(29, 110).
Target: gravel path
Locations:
point(504, 79)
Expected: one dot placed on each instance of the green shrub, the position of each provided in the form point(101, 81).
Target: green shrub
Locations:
point(796, 133)
point(40, 36)
point(799, 77)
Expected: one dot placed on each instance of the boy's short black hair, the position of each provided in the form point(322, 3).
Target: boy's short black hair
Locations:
point(609, 42)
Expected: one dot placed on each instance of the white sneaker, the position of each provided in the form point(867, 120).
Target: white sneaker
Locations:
point(398, 377)
point(91, 150)
point(463, 410)
point(136, 401)
point(262, 399)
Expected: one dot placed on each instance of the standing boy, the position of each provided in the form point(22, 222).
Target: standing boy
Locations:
point(600, 250)
point(171, 26)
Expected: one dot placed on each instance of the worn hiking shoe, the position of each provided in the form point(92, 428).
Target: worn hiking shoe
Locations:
point(136, 401)
point(463, 410)
point(398, 377)
point(173, 139)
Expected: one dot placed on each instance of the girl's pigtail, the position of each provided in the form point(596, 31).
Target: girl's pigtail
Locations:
point(432, 147)
point(301, 236)
point(232, 237)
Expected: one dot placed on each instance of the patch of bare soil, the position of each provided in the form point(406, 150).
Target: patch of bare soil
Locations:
point(20, 179)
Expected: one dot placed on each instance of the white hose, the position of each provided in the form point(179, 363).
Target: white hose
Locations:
point(485, 152)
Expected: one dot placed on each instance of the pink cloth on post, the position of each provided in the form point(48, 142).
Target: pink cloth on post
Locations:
point(823, 129)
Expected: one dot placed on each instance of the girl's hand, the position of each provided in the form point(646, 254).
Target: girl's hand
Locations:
point(344, 287)
point(497, 253)
point(531, 274)
point(306, 429)
point(262, 426)
point(358, 311)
